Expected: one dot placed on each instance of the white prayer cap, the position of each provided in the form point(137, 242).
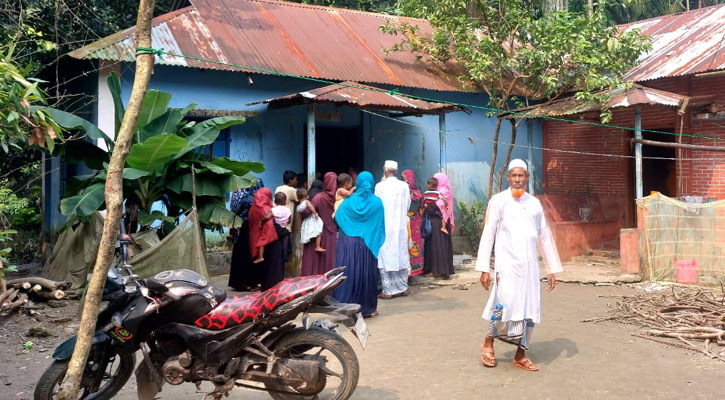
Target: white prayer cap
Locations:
point(518, 163)
point(391, 165)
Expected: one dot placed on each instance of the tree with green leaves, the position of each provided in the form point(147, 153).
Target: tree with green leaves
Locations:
point(47, 29)
point(168, 160)
point(514, 54)
point(21, 123)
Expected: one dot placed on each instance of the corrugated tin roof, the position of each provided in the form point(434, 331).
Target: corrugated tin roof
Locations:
point(353, 94)
point(637, 95)
point(291, 38)
point(682, 44)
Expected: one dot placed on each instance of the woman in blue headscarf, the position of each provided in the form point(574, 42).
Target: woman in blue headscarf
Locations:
point(361, 220)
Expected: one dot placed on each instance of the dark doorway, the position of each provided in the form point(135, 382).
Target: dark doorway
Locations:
point(659, 175)
point(337, 149)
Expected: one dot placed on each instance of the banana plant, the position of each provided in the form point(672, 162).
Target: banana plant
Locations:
point(159, 165)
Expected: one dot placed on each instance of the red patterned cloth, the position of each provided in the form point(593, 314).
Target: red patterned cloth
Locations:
point(261, 236)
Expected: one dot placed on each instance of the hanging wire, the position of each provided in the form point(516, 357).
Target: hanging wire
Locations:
point(585, 153)
point(160, 52)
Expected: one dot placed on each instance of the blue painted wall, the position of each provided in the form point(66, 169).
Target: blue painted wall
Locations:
point(276, 137)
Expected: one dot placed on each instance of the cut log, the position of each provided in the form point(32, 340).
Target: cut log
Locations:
point(54, 295)
point(36, 288)
point(8, 296)
point(22, 299)
point(22, 285)
point(35, 280)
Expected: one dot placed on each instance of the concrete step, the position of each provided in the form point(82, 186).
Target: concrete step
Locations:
point(605, 253)
point(596, 261)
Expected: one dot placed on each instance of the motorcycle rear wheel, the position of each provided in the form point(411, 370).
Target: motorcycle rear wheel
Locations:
point(307, 344)
point(118, 373)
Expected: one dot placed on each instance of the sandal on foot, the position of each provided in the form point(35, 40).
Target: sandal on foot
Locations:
point(371, 315)
point(385, 296)
point(526, 364)
point(488, 357)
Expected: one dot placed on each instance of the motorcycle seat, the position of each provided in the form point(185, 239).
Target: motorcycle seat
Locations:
point(237, 310)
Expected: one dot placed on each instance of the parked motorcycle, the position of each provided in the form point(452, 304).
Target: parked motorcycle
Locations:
point(187, 330)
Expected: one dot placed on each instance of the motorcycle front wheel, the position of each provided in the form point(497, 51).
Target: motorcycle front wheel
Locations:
point(118, 371)
point(340, 369)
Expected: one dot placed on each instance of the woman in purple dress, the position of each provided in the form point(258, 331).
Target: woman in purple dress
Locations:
point(315, 262)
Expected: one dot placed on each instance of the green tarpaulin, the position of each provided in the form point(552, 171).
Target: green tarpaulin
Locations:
point(75, 251)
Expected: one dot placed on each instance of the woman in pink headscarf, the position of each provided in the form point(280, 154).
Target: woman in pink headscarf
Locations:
point(438, 255)
point(415, 213)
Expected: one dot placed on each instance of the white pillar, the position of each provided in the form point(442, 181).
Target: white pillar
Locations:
point(311, 144)
point(442, 136)
point(530, 143)
point(638, 152)
point(106, 110)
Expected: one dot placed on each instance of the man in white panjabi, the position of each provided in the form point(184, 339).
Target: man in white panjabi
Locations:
point(515, 222)
point(393, 260)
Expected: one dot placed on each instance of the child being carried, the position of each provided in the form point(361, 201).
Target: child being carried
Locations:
point(345, 190)
point(282, 216)
point(312, 225)
point(431, 196)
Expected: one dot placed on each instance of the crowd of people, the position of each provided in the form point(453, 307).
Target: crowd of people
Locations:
point(375, 230)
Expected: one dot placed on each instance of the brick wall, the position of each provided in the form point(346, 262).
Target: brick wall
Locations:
point(609, 176)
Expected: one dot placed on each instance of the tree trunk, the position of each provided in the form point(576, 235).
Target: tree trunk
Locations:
point(590, 11)
point(114, 200)
point(3, 285)
point(502, 171)
point(489, 193)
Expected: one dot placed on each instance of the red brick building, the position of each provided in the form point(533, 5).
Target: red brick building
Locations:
point(593, 167)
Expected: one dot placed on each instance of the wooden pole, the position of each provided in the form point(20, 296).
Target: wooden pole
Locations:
point(114, 206)
point(677, 145)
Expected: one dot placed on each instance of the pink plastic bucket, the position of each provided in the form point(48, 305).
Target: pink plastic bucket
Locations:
point(686, 271)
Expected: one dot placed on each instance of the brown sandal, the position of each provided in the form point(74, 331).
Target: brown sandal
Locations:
point(385, 296)
point(488, 357)
point(526, 364)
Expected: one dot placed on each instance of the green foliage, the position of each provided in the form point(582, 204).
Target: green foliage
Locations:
point(626, 11)
point(159, 167)
point(379, 6)
point(5, 250)
point(20, 123)
point(18, 211)
point(50, 28)
point(512, 54)
point(83, 204)
point(471, 220)
point(154, 151)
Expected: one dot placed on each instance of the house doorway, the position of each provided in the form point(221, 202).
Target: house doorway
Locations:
point(659, 173)
point(337, 149)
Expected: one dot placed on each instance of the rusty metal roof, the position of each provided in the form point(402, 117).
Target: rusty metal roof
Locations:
point(353, 94)
point(291, 38)
point(637, 95)
point(682, 44)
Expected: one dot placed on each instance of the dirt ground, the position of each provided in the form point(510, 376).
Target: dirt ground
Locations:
point(426, 347)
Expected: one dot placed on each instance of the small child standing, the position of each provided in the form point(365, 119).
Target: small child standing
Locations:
point(282, 216)
point(431, 196)
point(312, 225)
point(345, 190)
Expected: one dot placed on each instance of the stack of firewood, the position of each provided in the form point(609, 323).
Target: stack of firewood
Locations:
point(685, 318)
point(23, 291)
